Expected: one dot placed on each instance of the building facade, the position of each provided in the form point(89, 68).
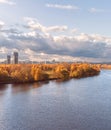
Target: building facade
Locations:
point(8, 59)
point(15, 57)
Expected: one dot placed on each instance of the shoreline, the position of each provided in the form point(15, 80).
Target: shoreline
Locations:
point(51, 79)
point(14, 82)
point(31, 73)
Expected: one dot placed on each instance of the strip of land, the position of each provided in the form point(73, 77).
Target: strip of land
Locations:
point(22, 73)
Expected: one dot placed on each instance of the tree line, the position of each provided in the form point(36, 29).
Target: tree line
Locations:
point(40, 72)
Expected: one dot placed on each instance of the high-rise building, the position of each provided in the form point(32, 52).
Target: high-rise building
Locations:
point(15, 56)
point(8, 59)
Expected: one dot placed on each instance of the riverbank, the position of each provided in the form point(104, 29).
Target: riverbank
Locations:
point(27, 73)
point(14, 82)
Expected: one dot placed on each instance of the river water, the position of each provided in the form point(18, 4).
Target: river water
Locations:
point(78, 104)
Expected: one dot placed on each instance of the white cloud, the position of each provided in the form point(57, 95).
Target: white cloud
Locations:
point(35, 25)
point(56, 28)
point(67, 7)
point(94, 10)
point(73, 31)
point(1, 24)
point(7, 2)
point(3, 50)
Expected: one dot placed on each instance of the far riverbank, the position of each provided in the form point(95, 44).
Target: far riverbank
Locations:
point(27, 73)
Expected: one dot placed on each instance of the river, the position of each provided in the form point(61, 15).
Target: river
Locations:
point(78, 104)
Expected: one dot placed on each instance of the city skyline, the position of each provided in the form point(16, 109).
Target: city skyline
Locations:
point(12, 59)
point(67, 30)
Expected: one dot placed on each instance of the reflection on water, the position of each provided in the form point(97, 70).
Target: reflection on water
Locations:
point(80, 104)
point(3, 87)
point(15, 88)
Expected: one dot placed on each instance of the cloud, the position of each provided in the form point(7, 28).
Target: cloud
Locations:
point(94, 10)
point(83, 45)
point(35, 25)
point(67, 7)
point(3, 50)
point(74, 30)
point(7, 2)
point(1, 24)
point(38, 45)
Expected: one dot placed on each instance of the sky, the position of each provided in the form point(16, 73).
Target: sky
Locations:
point(61, 30)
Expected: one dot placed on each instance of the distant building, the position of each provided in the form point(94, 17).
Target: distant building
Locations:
point(8, 59)
point(15, 57)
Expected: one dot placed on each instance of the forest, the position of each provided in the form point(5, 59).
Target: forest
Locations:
point(22, 73)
